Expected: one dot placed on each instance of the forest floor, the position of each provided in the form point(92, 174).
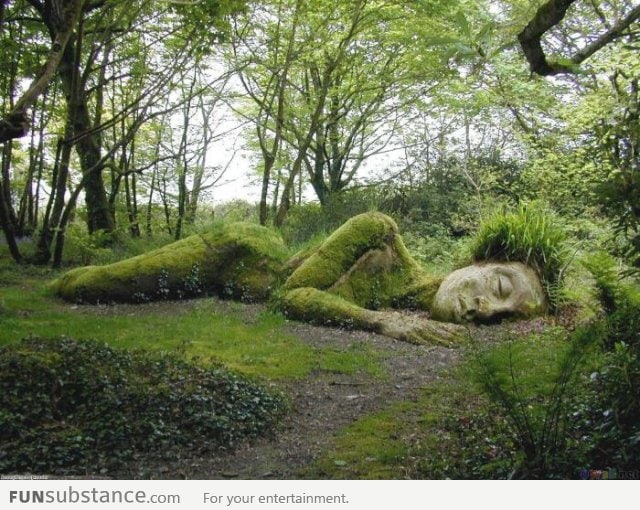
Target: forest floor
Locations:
point(323, 404)
point(361, 405)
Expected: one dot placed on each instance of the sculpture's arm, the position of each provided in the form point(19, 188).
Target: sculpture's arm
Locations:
point(320, 307)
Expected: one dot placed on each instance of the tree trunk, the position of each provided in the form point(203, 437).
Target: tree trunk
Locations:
point(25, 211)
point(7, 227)
point(5, 176)
point(264, 193)
point(99, 214)
point(285, 203)
point(154, 178)
point(55, 205)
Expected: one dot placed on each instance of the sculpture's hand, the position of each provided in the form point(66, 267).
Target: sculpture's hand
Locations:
point(416, 329)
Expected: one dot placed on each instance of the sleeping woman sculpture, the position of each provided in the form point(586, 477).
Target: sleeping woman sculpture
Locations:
point(361, 277)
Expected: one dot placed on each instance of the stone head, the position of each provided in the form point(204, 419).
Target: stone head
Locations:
point(488, 292)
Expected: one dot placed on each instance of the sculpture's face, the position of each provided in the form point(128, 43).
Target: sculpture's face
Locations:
point(488, 292)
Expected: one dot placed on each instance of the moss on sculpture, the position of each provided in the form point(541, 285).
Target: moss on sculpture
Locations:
point(365, 262)
point(324, 308)
point(239, 260)
point(362, 268)
point(351, 280)
point(319, 307)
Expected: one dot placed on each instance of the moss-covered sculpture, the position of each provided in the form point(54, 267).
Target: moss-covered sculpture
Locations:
point(361, 268)
point(356, 278)
point(239, 260)
point(366, 262)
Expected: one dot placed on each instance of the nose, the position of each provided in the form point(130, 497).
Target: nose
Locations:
point(472, 307)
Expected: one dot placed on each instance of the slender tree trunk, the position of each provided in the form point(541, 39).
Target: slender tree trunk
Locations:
point(148, 229)
point(264, 193)
point(55, 204)
point(7, 152)
point(184, 162)
point(25, 211)
point(7, 227)
point(165, 205)
point(276, 194)
point(129, 190)
point(285, 203)
point(154, 178)
point(135, 224)
point(40, 152)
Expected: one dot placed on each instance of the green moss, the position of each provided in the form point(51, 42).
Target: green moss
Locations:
point(370, 449)
point(366, 263)
point(318, 307)
point(338, 253)
point(419, 293)
point(237, 260)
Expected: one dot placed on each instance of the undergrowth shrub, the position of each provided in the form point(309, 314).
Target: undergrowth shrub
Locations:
point(72, 407)
point(611, 413)
point(530, 234)
point(534, 386)
point(432, 246)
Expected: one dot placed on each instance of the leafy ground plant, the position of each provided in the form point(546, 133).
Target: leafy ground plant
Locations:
point(534, 386)
point(609, 417)
point(76, 407)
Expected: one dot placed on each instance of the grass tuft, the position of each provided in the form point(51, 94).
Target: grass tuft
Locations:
point(530, 234)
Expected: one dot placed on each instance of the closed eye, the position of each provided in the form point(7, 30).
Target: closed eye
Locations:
point(504, 287)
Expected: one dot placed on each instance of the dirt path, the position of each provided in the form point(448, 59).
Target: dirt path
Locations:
point(322, 404)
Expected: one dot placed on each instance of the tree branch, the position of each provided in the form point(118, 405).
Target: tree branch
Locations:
point(609, 36)
point(16, 122)
point(548, 16)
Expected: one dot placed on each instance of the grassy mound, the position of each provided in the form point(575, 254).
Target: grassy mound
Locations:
point(71, 407)
point(238, 260)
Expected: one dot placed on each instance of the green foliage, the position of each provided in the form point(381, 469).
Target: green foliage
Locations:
point(535, 399)
point(433, 247)
point(236, 210)
point(530, 234)
point(449, 195)
point(610, 416)
point(579, 408)
point(72, 407)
